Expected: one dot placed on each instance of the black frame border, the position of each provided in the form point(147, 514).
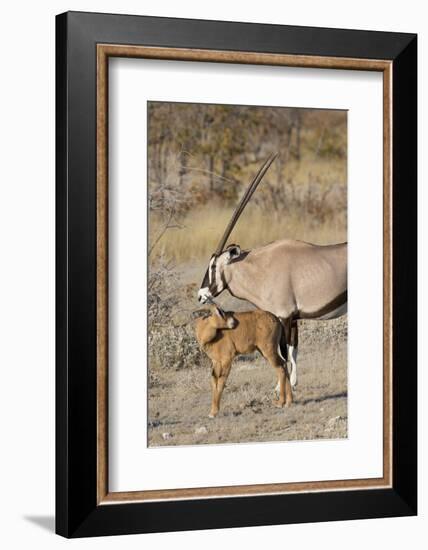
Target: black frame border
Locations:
point(77, 512)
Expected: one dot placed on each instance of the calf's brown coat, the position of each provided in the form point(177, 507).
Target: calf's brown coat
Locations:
point(224, 335)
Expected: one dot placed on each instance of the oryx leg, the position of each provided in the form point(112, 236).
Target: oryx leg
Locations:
point(284, 345)
point(293, 343)
point(219, 374)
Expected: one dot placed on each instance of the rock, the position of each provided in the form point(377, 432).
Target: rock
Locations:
point(333, 421)
point(166, 436)
point(201, 430)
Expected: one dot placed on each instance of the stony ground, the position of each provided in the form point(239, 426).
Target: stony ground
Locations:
point(179, 400)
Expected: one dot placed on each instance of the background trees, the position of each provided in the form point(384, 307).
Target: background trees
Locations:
point(207, 149)
point(201, 156)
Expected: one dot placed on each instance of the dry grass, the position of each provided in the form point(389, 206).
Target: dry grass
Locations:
point(310, 206)
point(179, 401)
point(202, 229)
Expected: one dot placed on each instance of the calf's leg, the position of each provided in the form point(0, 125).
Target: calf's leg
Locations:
point(285, 393)
point(219, 374)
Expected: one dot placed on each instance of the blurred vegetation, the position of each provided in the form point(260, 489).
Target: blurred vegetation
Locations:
point(202, 156)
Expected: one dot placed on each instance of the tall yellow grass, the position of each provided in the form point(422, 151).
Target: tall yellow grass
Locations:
point(202, 229)
point(204, 224)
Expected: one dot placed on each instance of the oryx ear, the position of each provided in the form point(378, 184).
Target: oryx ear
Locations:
point(233, 252)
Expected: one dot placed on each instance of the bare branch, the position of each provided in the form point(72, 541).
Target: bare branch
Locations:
point(167, 225)
point(190, 168)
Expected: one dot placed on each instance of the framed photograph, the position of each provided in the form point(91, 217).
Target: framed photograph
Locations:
point(219, 187)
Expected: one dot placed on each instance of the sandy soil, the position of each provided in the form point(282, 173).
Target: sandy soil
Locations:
point(179, 401)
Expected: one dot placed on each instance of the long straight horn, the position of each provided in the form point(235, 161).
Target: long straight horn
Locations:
point(244, 200)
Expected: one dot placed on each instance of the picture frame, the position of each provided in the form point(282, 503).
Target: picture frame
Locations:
point(84, 44)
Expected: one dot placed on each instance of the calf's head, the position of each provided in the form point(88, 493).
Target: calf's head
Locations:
point(220, 319)
point(207, 327)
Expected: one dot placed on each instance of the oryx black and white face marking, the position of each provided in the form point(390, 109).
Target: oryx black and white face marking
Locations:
point(212, 283)
point(214, 280)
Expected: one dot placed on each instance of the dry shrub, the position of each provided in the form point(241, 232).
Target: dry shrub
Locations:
point(162, 297)
point(323, 333)
point(175, 347)
point(172, 343)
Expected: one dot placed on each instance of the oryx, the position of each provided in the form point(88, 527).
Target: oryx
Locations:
point(291, 279)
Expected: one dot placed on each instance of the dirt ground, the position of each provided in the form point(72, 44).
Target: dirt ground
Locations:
point(179, 400)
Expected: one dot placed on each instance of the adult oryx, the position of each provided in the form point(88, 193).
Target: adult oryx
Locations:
point(291, 279)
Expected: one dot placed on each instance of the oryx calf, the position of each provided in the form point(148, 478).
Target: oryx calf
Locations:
point(224, 335)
